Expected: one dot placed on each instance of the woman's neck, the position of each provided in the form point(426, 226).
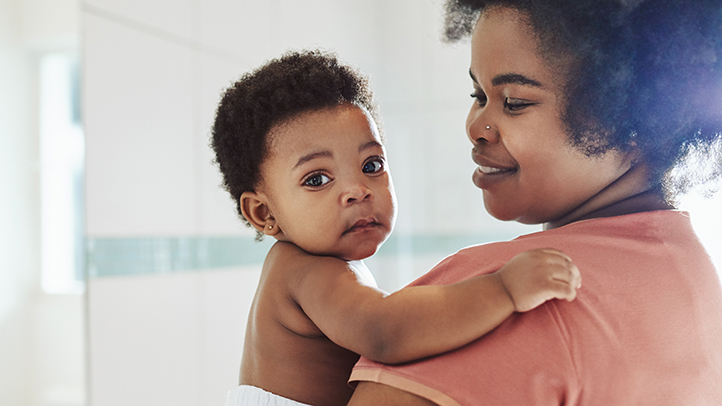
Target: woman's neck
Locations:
point(630, 193)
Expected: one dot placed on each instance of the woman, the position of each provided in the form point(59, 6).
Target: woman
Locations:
point(581, 111)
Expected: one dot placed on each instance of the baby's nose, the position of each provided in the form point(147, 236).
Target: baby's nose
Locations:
point(357, 192)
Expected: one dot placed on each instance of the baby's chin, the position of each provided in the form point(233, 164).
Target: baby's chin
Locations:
point(357, 254)
point(353, 255)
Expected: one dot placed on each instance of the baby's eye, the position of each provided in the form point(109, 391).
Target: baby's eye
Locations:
point(316, 180)
point(373, 166)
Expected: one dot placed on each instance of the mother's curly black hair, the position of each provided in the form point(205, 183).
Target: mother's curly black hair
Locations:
point(283, 88)
point(644, 74)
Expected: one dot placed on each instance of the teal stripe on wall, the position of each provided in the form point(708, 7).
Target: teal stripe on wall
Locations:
point(159, 255)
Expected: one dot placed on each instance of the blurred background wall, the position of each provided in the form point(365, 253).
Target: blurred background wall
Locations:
point(169, 269)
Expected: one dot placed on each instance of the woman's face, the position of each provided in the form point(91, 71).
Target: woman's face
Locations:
point(528, 170)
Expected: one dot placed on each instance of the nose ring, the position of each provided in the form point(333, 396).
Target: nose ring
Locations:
point(488, 127)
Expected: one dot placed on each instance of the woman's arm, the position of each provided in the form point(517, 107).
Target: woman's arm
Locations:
point(421, 321)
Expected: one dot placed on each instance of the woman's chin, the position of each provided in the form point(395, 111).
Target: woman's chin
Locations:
point(498, 211)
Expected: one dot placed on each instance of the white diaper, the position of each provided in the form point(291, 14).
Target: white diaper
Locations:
point(245, 395)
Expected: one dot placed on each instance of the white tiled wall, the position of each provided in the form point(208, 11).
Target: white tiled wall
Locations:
point(225, 300)
point(153, 71)
point(168, 339)
point(139, 119)
point(176, 17)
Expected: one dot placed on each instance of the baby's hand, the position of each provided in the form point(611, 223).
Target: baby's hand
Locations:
point(535, 276)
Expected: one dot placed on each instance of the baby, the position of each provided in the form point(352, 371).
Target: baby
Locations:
point(299, 148)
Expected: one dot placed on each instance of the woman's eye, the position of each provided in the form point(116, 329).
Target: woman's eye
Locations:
point(479, 96)
point(515, 104)
point(373, 166)
point(316, 180)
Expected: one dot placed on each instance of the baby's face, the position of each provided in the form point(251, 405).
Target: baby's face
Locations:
point(327, 183)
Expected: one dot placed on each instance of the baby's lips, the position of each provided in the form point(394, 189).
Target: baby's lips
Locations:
point(365, 222)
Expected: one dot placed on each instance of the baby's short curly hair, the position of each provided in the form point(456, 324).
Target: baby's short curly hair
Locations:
point(283, 88)
point(643, 74)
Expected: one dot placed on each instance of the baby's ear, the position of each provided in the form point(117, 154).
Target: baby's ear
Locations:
point(255, 209)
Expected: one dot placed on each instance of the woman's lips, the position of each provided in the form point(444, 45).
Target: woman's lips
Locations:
point(489, 165)
point(490, 172)
point(490, 169)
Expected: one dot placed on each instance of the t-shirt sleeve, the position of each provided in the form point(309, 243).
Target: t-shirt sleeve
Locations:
point(525, 361)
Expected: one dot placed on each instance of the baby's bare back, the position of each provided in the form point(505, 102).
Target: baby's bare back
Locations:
point(286, 354)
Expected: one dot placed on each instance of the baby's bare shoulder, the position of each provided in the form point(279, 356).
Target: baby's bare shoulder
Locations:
point(275, 307)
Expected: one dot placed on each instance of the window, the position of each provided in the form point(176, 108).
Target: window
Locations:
point(61, 175)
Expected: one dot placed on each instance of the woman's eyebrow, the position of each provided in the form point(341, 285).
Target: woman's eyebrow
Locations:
point(511, 79)
point(514, 79)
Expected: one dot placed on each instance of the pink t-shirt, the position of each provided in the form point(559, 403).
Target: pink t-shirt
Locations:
point(645, 328)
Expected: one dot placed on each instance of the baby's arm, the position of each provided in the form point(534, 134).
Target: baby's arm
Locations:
point(421, 321)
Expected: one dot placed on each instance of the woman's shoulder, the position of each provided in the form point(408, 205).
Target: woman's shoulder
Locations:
point(659, 223)
point(489, 257)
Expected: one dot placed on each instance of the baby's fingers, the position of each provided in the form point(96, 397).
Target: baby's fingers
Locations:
point(570, 274)
point(563, 290)
point(561, 268)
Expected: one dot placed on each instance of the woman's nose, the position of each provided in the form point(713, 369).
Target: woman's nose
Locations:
point(480, 127)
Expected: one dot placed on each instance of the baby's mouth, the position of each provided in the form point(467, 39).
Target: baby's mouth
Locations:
point(362, 224)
